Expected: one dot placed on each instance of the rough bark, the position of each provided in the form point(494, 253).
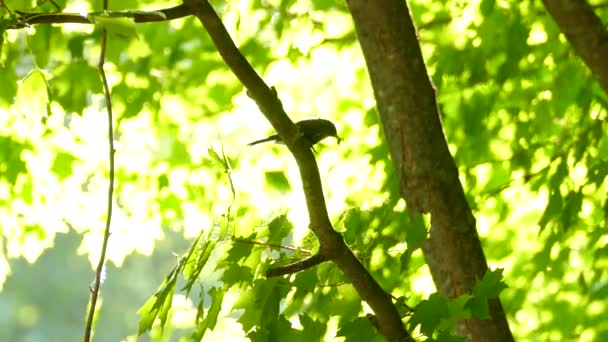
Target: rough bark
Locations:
point(585, 31)
point(428, 176)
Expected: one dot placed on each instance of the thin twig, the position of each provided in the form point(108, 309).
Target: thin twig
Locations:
point(106, 235)
point(297, 266)
point(272, 245)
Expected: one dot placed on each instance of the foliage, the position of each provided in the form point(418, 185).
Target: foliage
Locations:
point(524, 119)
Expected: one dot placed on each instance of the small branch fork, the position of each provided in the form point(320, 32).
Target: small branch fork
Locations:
point(95, 290)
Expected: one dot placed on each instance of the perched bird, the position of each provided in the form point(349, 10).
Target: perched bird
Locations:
point(313, 130)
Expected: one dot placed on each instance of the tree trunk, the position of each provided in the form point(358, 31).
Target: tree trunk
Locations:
point(427, 174)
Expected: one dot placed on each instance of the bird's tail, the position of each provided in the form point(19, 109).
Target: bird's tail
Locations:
point(271, 138)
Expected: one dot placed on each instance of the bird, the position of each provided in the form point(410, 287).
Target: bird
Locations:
point(313, 131)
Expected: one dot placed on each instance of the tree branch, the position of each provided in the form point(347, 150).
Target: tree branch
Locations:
point(106, 236)
point(271, 245)
point(332, 246)
point(31, 18)
point(296, 266)
point(428, 176)
point(586, 32)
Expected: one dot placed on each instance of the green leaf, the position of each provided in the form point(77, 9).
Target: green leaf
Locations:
point(278, 330)
point(179, 153)
point(197, 259)
point(8, 90)
point(171, 204)
point(63, 165)
point(488, 287)
point(306, 280)
point(11, 163)
point(572, 206)
point(215, 156)
point(217, 297)
point(163, 181)
point(458, 310)
point(598, 172)
point(599, 290)
point(553, 209)
point(76, 46)
point(487, 7)
point(416, 233)
point(240, 249)
point(261, 303)
point(278, 229)
point(33, 95)
point(158, 306)
point(40, 43)
point(314, 330)
point(120, 26)
point(304, 283)
point(277, 180)
point(353, 221)
point(491, 285)
point(404, 260)
point(236, 274)
point(359, 329)
point(73, 84)
point(479, 307)
point(429, 313)
point(132, 98)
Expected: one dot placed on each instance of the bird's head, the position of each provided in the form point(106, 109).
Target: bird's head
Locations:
point(315, 130)
point(331, 131)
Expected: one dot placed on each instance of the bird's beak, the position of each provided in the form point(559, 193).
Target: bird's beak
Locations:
point(338, 139)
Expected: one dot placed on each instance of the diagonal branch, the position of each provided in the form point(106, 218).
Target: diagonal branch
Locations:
point(586, 32)
point(332, 246)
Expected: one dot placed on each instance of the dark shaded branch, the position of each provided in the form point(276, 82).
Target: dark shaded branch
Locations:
point(296, 266)
point(27, 19)
point(332, 246)
point(586, 32)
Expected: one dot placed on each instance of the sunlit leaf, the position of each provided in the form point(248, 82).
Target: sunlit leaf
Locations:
point(279, 228)
point(158, 306)
point(63, 164)
point(120, 26)
point(277, 180)
point(196, 260)
point(32, 95)
point(210, 320)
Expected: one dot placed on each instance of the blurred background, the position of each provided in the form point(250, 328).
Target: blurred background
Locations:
point(522, 114)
